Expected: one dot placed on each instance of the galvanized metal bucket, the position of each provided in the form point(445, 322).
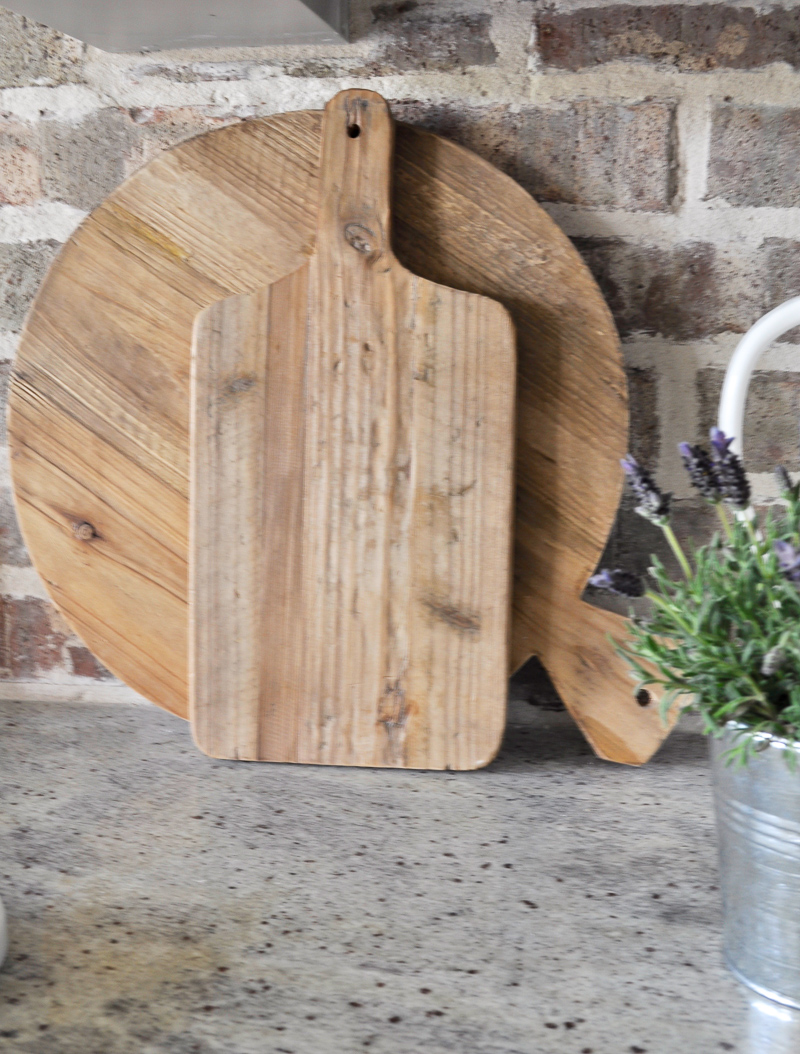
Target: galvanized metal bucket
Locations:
point(758, 818)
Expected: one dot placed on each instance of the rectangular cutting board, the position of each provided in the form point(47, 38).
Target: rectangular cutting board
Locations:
point(351, 496)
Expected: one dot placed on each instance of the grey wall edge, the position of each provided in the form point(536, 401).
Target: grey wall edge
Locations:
point(159, 25)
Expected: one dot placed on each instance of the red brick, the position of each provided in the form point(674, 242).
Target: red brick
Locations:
point(12, 547)
point(82, 163)
point(22, 268)
point(645, 439)
point(490, 131)
point(771, 434)
point(5, 379)
point(690, 37)
point(592, 153)
point(755, 156)
point(602, 154)
point(20, 164)
point(687, 292)
point(781, 268)
point(422, 37)
point(31, 637)
point(84, 664)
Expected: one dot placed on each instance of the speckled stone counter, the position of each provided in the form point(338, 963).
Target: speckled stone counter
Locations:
point(550, 904)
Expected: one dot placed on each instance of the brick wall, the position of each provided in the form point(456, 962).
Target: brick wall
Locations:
point(663, 138)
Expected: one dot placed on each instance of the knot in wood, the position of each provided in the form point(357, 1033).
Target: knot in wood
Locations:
point(84, 531)
point(361, 238)
point(239, 384)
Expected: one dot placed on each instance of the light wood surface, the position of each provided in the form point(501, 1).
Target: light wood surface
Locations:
point(99, 404)
point(351, 454)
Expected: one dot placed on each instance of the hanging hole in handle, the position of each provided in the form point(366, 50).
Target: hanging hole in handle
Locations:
point(353, 131)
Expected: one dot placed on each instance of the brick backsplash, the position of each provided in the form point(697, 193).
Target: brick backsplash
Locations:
point(663, 138)
point(694, 38)
point(754, 156)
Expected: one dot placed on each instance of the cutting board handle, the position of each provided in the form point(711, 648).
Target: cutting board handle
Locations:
point(355, 174)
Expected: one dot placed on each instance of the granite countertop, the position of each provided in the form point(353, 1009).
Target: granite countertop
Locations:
point(160, 901)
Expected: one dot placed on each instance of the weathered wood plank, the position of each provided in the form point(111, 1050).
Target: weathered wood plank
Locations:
point(101, 382)
point(351, 485)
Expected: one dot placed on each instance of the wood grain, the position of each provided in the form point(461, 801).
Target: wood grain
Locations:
point(351, 454)
point(99, 403)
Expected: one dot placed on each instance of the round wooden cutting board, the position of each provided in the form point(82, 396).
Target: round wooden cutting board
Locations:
point(99, 403)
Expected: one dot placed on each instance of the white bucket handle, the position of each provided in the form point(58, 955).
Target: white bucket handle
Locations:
point(740, 369)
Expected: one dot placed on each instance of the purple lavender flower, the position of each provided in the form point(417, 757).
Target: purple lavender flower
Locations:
point(701, 471)
point(653, 504)
point(720, 442)
point(788, 560)
point(620, 583)
point(731, 479)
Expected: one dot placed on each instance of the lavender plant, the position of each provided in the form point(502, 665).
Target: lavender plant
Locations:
point(722, 639)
